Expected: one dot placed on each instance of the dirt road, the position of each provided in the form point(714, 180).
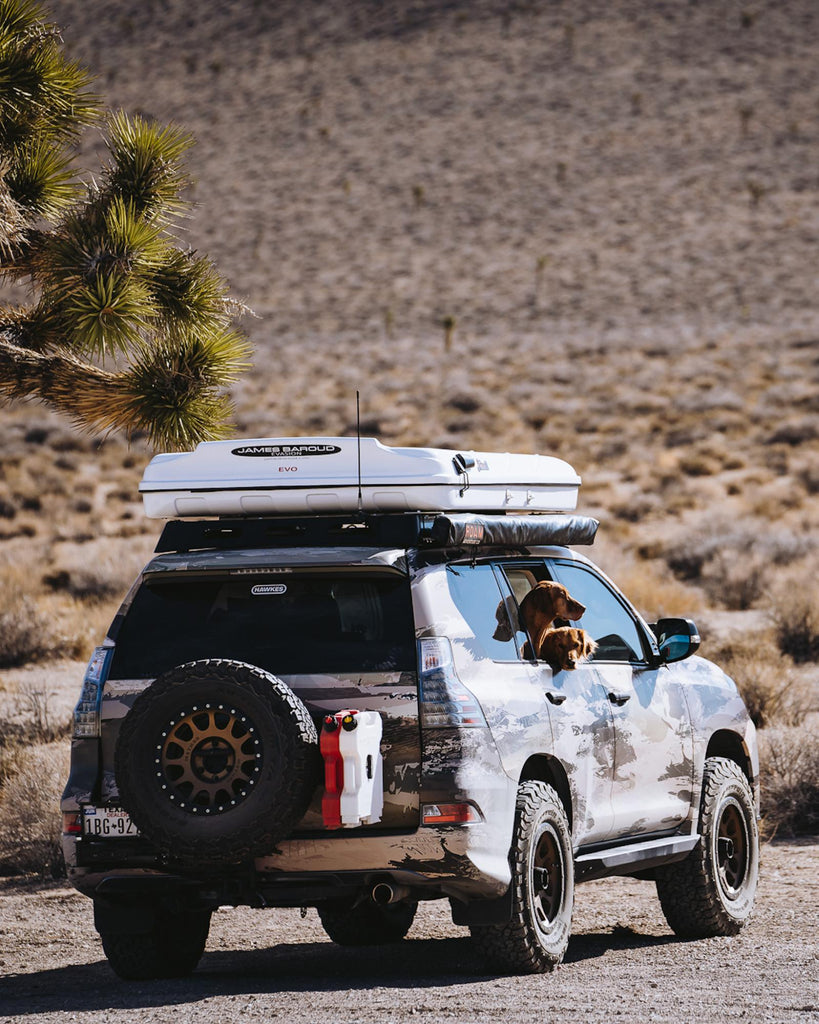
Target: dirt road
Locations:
point(623, 964)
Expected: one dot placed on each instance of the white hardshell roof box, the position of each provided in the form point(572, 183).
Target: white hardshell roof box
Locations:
point(306, 475)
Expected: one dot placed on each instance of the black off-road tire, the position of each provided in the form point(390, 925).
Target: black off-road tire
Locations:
point(712, 891)
point(216, 762)
point(367, 923)
point(535, 939)
point(172, 948)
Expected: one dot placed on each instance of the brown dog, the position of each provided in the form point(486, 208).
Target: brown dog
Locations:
point(566, 647)
point(546, 602)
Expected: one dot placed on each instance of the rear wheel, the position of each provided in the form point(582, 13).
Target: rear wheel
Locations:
point(366, 923)
point(712, 891)
point(171, 949)
point(542, 888)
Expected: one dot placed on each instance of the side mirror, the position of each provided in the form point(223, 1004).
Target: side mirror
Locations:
point(676, 638)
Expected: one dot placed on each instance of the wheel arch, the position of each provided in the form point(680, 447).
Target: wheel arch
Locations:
point(544, 768)
point(728, 744)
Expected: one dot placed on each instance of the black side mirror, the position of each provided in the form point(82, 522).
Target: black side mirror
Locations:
point(676, 638)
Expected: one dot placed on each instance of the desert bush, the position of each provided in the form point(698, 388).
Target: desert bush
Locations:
point(25, 634)
point(733, 564)
point(90, 571)
point(30, 811)
point(767, 681)
point(789, 766)
point(795, 615)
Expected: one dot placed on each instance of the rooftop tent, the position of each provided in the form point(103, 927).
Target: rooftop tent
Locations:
point(308, 475)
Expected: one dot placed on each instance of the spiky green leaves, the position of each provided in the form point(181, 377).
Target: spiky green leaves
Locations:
point(42, 93)
point(113, 283)
point(146, 169)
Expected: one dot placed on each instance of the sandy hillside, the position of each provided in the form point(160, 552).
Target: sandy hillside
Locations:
point(616, 202)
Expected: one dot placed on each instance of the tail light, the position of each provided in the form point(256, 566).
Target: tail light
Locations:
point(444, 701)
point(72, 824)
point(450, 814)
point(87, 711)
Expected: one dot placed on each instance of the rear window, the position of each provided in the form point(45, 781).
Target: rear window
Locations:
point(287, 624)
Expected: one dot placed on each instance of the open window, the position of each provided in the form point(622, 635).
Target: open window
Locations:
point(608, 619)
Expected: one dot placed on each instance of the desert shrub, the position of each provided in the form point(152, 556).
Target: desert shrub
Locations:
point(89, 571)
point(733, 565)
point(90, 584)
point(30, 811)
point(795, 615)
point(767, 681)
point(809, 478)
point(25, 634)
point(789, 766)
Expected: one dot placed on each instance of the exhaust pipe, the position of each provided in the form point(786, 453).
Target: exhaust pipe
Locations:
point(385, 893)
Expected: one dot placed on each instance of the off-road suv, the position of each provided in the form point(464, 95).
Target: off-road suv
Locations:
point(197, 776)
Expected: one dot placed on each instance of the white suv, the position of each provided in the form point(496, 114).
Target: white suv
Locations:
point(197, 776)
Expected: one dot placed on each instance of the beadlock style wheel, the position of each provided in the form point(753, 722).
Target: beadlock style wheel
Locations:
point(731, 855)
point(209, 759)
point(534, 940)
point(712, 891)
point(216, 762)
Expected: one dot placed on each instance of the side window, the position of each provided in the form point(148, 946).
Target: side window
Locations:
point(520, 579)
point(607, 619)
point(477, 596)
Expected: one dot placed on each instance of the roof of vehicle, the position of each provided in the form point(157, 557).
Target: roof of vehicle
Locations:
point(255, 560)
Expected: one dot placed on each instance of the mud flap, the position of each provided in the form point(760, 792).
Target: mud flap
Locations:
point(497, 911)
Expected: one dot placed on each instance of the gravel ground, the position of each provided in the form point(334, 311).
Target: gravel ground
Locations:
point(622, 963)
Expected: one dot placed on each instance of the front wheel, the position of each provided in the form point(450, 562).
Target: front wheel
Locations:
point(712, 891)
point(542, 888)
point(171, 949)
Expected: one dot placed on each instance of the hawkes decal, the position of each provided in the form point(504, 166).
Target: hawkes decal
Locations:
point(267, 589)
point(284, 451)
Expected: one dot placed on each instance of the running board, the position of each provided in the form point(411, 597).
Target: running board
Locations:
point(627, 860)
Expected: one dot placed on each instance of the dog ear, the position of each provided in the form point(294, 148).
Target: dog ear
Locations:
point(589, 645)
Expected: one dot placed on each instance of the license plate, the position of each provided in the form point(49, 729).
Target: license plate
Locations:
point(107, 823)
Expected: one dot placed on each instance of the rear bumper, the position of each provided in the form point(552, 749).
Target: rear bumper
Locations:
point(463, 861)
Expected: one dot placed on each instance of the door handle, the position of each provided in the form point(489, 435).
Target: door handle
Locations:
point(555, 696)
point(619, 698)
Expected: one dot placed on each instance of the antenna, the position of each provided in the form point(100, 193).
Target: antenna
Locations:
point(358, 441)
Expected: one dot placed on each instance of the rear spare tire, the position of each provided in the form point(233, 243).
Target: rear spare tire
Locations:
point(216, 762)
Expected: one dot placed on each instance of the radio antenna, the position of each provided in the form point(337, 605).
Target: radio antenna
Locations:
point(358, 440)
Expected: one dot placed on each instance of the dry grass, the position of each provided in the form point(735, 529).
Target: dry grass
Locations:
point(25, 633)
point(789, 758)
point(773, 689)
point(29, 809)
point(795, 616)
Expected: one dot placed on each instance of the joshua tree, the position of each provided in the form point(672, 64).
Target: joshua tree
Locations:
point(125, 329)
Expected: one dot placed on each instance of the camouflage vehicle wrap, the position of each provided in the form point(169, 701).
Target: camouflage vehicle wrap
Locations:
point(625, 740)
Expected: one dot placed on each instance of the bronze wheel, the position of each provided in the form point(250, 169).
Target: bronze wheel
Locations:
point(732, 849)
point(547, 879)
point(535, 938)
point(210, 758)
point(712, 891)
